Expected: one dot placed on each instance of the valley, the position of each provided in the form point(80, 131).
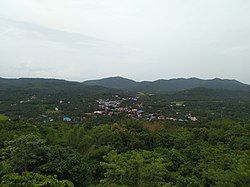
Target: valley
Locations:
point(65, 133)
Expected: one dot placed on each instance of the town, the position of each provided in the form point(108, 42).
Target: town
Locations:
point(49, 108)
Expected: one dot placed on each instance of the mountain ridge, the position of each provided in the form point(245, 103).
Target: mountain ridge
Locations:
point(168, 85)
point(125, 84)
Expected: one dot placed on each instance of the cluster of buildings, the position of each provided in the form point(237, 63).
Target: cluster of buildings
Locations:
point(128, 106)
point(114, 107)
point(28, 100)
point(111, 107)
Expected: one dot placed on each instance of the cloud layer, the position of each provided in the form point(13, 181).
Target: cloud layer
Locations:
point(140, 39)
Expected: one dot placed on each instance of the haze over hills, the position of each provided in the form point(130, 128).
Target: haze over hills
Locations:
point(171, 85)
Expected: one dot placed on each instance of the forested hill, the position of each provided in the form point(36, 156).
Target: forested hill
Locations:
point(53, 85)
point(24, 83)
point(113, 82)
point(171, 85)
point(123, 84)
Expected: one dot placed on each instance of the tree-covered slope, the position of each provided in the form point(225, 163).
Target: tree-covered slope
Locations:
point(113, 82)
point(171, 85)
point(158, 86)
point(51, 85)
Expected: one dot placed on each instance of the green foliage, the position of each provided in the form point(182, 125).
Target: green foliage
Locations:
point(30, 153)
point(3, 117)
point(29, 179)
point(133, 168)
point(66, 164)
point(24, 153)
point(129, 153)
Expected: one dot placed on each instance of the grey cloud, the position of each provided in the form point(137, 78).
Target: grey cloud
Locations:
point(140, 39)
point(35, 50)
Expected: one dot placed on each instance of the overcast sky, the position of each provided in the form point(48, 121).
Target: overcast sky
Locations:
point(138, 39)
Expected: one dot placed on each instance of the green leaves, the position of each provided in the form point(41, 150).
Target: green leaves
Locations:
point(24, 153)
point(29, 179)
point(30, 153)
point(133, 168)
point(132, 153)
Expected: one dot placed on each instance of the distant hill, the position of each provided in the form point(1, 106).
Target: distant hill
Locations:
point(53, 86)
point(206, 93)
point(172, 85)
point(119, 83)
point(31, 82)
point(113, 82)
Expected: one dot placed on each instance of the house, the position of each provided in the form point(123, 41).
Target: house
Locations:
point(171, 118)
point(134, 99)
point(193, 118)
point(111, 113)
point(151, 117)
point(161, 117)
point(67, 119)
point(140, 111)
point(33, 97)
point(134, 110)
point(99, 112)
point(88, 114)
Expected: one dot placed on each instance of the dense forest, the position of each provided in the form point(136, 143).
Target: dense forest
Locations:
point(129, 153)
point(196, 137)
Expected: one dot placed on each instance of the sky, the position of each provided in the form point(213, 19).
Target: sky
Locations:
point(137, 39)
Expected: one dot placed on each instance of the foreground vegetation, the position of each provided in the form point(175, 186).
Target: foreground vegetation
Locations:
point(128, 153)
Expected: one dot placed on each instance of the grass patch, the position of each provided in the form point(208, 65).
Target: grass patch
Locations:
point(4, 117)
